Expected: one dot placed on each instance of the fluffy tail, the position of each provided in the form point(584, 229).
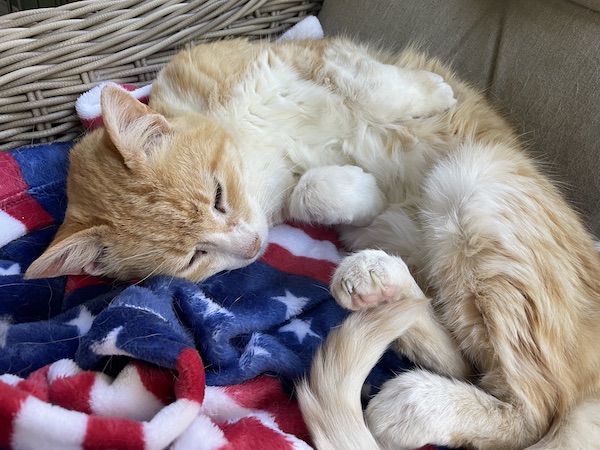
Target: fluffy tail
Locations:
point(330, 398)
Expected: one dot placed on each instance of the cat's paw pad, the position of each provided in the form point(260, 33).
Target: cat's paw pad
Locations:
point(371, 277)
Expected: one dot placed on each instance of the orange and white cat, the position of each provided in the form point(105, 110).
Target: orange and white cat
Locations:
point(241, 136)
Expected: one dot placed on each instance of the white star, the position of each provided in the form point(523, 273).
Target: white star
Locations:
point(5, 323)
point(212, 308)
point(300, 328)
point(15, 269)
point(252, 351)
point(83, 321)
point(108, 345)
point(258, 351)
point(294, 304)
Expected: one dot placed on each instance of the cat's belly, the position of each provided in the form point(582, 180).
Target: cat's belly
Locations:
point(277, 113)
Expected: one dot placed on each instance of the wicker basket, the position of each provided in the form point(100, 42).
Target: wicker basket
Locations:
point(48, 57)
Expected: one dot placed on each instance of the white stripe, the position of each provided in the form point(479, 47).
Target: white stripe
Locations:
point(125, 396)
point(299, 243)
point(41, 425)
point(10, 379)
point(202, 434)
point(169, 423)
point(220, 407)
point(10, 228)
point(63, 368)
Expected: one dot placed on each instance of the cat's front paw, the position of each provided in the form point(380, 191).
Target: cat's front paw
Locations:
point(336, 195)
point(371, 277)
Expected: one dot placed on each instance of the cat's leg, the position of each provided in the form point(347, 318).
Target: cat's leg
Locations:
point(371, 277)
point(335, 195)
point(394, 230)
point(510, 312)
point(385, 92)
point(419, 407)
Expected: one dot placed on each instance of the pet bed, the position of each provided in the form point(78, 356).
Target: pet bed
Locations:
point(92, 363)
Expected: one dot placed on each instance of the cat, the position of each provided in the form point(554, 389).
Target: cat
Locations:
point(189, 185)
point(426, 183)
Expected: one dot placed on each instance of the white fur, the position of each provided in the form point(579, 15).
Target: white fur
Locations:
point(316, 197)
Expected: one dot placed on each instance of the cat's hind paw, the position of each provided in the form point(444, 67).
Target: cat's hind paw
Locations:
point(398, 94)
point(371, 277)
point(437, 96)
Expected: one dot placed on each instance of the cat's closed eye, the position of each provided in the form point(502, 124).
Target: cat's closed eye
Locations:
point(218, 202)
point(198, 253)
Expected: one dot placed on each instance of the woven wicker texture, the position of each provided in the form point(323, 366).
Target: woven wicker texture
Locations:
point(48, 57)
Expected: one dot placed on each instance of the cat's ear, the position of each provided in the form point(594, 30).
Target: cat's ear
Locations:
point(136, 130)
point(77, 254)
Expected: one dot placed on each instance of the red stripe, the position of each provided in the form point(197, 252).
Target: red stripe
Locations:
point(249, 433)
point(128, 87)
point(36, 383)
point(73, 392)
point(26, 210)
point(266, 394)
point(14, 198)
point(12, 179)
point(12, 399)
point(92, 124)
point(75, 282)
point(159, 382)
point(284, 260)
point(190, 383)
point(113, 433)
point(318, 233)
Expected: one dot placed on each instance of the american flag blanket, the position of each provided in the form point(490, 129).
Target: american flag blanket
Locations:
point(93, 363)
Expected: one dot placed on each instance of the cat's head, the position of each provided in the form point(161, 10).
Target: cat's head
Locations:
point(150, 195)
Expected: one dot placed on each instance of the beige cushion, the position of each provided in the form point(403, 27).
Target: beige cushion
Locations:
point(592, 4)
point(538, 59)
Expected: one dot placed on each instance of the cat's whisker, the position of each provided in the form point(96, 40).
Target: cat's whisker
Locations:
point(153, 272)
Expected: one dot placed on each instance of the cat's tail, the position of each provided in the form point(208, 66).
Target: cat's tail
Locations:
point(330, 398)
point(579, 429)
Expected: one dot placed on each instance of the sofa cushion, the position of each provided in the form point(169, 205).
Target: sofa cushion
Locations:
point(538, 60)
point(592, 4)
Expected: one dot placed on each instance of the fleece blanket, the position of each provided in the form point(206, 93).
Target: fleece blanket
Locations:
point(91, 363)
point(88, 362)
